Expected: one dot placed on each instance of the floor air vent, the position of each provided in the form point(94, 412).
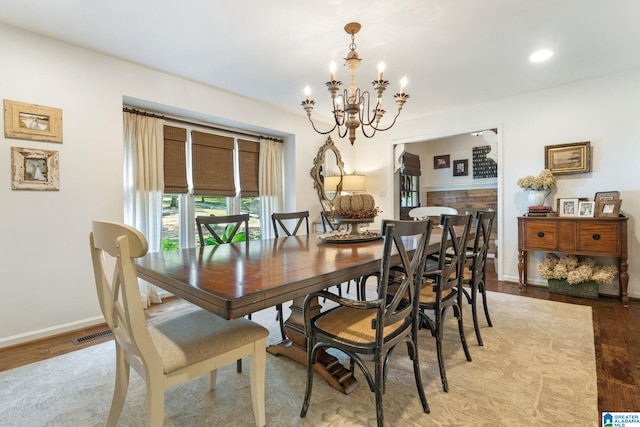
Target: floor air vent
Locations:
point(106, 333)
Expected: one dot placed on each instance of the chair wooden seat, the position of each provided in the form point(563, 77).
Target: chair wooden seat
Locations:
point(173, 351)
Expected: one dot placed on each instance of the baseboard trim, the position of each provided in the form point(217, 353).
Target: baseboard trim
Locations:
point(49, 332)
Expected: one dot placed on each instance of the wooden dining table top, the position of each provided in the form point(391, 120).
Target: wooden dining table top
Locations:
point(236, 279)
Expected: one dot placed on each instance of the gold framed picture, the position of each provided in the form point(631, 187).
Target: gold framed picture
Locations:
point(34, 169)
point(565, 159)
point(30, 121)
point(608, 208)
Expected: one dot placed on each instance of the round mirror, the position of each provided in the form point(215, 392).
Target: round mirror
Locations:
point(327, 172)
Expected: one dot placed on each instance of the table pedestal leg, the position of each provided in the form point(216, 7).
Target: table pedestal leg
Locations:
point(294, 348)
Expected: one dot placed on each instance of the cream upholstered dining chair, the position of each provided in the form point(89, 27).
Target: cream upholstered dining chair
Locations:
point(423, 212)
point(173, 351)
point(375, 327)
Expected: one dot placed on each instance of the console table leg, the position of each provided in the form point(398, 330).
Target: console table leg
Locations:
point(522, 276)
point(623, 267)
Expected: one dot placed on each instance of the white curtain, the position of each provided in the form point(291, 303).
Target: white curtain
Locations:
point(144, 185)
point(270, 184)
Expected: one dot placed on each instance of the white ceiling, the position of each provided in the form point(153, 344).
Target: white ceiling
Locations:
point(453, 52)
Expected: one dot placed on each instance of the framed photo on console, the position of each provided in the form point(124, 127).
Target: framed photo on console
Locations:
point(607, 195)
point(607, 208)
point(585, 209)
point(568, 207)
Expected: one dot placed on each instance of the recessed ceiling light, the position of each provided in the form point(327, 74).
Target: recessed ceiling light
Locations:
point(541, 55)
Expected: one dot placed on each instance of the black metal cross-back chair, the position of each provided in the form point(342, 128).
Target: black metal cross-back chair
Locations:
point(443, 289)
point(476, 268)
point(375, 327)
point(280, 220)
point(231, 224)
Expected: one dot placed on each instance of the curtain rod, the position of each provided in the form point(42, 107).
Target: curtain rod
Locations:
point(187, 122)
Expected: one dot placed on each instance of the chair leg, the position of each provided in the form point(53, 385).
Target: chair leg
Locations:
point(458, 312)
point(417, 373)
point(257, 374)
point(474, 313)
point(213, 375)
point(121, 387)
point(281, 321)
point(379, 389)
point(439, 336)
point(311, 353)
point(239, 361)
point(155, 401)
point(483, 290)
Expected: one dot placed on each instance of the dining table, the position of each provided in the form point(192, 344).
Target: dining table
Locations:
point(237, 279)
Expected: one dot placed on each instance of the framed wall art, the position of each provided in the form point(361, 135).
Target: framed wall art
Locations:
point(30, 121)
point(483, 166)
point(568, 207)
point(586, 209)
point(441, 162)
point(565, 159)
point(608, 208)
point(461, 167)
point(34, 169)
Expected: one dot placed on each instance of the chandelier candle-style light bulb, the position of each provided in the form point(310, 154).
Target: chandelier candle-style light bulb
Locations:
point(380, 70)
point(355, 108)
point(403, 84)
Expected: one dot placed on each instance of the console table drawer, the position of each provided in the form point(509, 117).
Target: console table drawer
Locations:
point(542, 235)
point(598, 238)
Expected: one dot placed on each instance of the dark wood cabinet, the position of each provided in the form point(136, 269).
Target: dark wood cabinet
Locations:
point(577, 236)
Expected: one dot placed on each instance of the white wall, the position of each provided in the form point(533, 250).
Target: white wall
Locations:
point(603, 111)
point(45, 275)
point(45, 272)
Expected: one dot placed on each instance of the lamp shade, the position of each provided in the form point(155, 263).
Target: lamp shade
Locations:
point(354, 183)
point(331, 183)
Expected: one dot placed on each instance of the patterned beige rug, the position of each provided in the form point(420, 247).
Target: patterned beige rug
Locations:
point(537, 367)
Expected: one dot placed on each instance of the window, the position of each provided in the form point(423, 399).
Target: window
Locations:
point(207, 174)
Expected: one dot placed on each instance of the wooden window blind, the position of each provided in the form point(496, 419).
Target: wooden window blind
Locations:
point(212, 163)
point(248, 156)
point(175, 163)
point(411, 164)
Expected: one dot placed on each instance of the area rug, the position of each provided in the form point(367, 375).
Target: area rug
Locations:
point(537, 367)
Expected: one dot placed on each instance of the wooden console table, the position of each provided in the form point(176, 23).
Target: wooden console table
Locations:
point(577, 236)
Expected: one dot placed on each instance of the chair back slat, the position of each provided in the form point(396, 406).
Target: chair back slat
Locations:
point(402, 308)
point(453, 246)
point(231, 225)
point(482, 239)
point(118, 245)
point(279, 220)
point(424, 212)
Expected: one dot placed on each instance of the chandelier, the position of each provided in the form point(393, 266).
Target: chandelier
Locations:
point(352, 109)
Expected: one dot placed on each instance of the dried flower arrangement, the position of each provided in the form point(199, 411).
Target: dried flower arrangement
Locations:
point(545, 181)
point(575, 269)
